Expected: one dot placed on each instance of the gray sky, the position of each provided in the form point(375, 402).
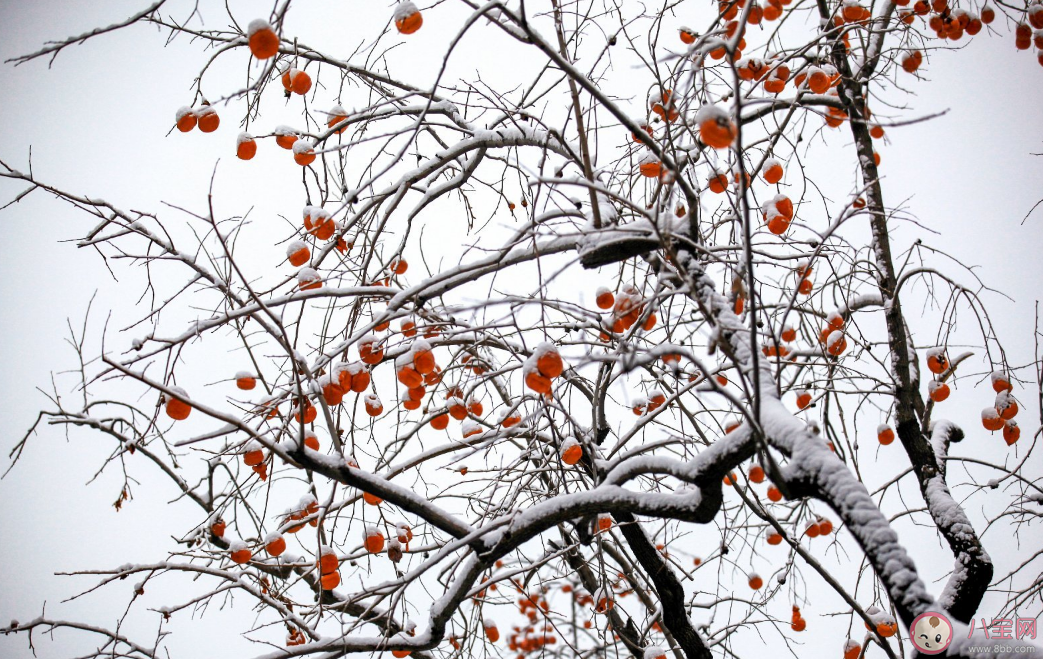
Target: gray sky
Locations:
point(96, 122)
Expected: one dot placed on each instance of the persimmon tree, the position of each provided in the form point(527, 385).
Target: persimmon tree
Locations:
point(541, 369)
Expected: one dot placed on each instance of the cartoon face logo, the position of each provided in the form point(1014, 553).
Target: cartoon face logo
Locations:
point(931, 632)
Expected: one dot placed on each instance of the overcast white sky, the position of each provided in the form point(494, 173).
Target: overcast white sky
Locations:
point(97, 124)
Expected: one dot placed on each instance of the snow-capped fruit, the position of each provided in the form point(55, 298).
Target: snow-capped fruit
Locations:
point(751, 68)
point(240, 553)
point(457, 409)
point(716, 127)
point(718, 182)
point(218, 527)
point(884, 434)
point(374, 540)
point(852, 649)
point(1011, 432)
point(1006, 406)
point(423, 359)
point(777, 213)
point(803, 399)
point(755, 581)
point(938, 391)
point(817, 80)
point(836, 343)
point(834, 320)
point(328, 561)
point(245, 146)
point(296, 81)
point(352, 377)
point(773, 537)
point(286, 137)
point(370, 351)
point(409, 376)
point(297, 253)
point(604, 298)
point(549, 362)
point(510, 419)
point(773, 171)
point(936, 360)
point(882, 622)
point(407, 17)
point(1000, 381)
point(775, 82)
point(245, 380)
point(774, 494)
point(178, 409)
point(639, 406)
point(335, 116)
point(185, 118)
point(303, 153)
point(663, 104)
point(778, 225)
point(853, 12)
point(253, 454)
point(308, 279)
point(649, 165)
point(275, 544)
point(263, 41)
point(571, 452)
point(491, 631)
point(990, 419)
point(207, 119)
point(318, 221)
